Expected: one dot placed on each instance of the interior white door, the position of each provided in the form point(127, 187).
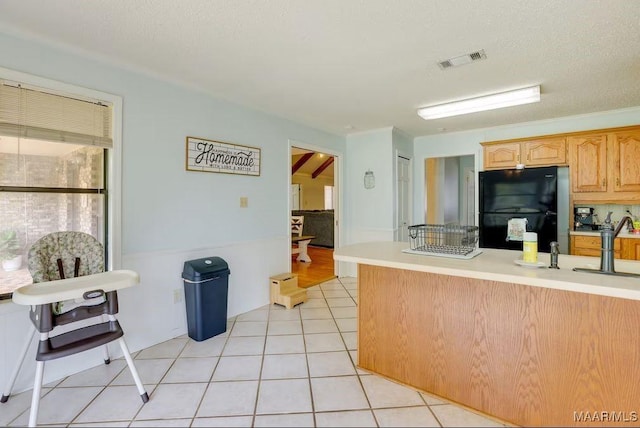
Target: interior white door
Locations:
point(402, 191)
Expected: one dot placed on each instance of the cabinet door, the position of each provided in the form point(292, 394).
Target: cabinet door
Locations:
point(588, 160)
point(505, 155)
point(552, 151)
point(631, 248)
point(590, 246)
point(626, 161)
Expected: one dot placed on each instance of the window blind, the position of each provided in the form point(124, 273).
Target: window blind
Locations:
point(30, 113)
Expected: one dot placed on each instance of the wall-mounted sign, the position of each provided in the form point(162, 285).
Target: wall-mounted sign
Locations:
point(215, 156)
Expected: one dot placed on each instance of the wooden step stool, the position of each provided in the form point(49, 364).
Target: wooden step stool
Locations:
point(285, 291)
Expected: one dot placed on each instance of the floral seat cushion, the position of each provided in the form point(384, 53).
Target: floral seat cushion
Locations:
point(67, 246)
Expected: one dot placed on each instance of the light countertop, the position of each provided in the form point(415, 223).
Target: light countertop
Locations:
point(499, 265)
point(623, 233)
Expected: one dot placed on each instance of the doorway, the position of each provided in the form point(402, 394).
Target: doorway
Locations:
point(450, 190)
point(403, 198)
point(314, 190)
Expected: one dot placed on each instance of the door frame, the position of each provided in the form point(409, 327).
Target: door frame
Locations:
point(337, 189)
point(409, 201)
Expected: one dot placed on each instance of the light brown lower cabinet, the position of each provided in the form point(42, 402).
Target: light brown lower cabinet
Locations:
point(631, 248)
point(590, 246)
point(623, 248)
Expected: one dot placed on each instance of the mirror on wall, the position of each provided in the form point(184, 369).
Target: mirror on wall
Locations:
point(450, 190)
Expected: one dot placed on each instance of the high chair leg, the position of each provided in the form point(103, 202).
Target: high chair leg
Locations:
point(134, 372)
point(37, 389)
point(107, 358)
point(16, 370)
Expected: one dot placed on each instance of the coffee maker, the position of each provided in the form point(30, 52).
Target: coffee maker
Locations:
point(583, 218)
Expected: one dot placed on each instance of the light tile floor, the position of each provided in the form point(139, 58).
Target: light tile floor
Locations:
point(273, 367)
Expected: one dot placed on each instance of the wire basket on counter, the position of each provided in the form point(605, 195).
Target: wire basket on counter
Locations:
point(443, 238)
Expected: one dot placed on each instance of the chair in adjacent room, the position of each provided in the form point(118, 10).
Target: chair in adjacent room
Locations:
point(70, 285)
point(297, 223)
point(299, 241)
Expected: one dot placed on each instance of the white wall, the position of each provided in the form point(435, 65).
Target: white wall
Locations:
point(170, 215)
point(369, 212)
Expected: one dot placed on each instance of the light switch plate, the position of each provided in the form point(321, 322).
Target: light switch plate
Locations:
point(177, 295)
point(244, 202)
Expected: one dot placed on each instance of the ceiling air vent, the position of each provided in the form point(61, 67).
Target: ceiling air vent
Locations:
point(462, 59)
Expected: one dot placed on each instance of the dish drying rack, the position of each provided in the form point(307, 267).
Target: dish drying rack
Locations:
point(444, 240)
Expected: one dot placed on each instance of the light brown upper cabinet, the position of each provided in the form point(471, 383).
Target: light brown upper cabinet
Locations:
point(626, 161)
point(605, 165)
point(588, 162)
point(545, 151)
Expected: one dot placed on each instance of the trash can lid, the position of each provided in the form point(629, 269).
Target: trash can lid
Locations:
point(205, 268)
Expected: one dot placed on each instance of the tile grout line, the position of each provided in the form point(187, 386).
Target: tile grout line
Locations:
point(355, 366)
point(264, 349)
point(270, 311)
point(306, 358)
point(215, 366)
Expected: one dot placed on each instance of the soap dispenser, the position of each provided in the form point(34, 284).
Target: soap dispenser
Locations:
point(555, 250)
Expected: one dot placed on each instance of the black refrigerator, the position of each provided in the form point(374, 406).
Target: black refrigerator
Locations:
point(538, 194)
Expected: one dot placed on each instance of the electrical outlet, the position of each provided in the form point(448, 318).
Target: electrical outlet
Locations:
point(177, 295)
point(244, 202)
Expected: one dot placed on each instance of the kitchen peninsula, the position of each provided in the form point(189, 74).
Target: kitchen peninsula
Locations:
point(530, 346)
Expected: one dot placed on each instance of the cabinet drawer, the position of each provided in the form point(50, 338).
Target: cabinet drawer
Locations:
point(593, 242)
point(591, 252)
point(590, 246)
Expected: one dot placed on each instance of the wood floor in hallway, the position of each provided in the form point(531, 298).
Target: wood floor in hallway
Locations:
point(319, 270)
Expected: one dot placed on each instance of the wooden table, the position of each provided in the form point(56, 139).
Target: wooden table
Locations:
point(303, 242)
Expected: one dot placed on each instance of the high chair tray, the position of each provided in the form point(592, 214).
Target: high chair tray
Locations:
point(74, 288)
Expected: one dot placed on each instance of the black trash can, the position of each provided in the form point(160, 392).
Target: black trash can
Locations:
point(206, 287)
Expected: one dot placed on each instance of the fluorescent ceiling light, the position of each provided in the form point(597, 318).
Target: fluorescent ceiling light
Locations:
point(488, 102)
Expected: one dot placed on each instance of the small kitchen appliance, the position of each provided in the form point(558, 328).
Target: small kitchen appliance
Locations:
point(584, 219)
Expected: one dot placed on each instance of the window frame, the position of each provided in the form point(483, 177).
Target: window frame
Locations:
point(112, 159)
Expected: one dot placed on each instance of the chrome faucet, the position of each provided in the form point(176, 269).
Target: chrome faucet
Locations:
point(607, 236)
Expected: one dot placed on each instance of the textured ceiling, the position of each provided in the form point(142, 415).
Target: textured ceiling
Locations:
point(353, 65)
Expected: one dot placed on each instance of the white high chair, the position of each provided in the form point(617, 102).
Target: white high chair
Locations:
point(56, 300)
